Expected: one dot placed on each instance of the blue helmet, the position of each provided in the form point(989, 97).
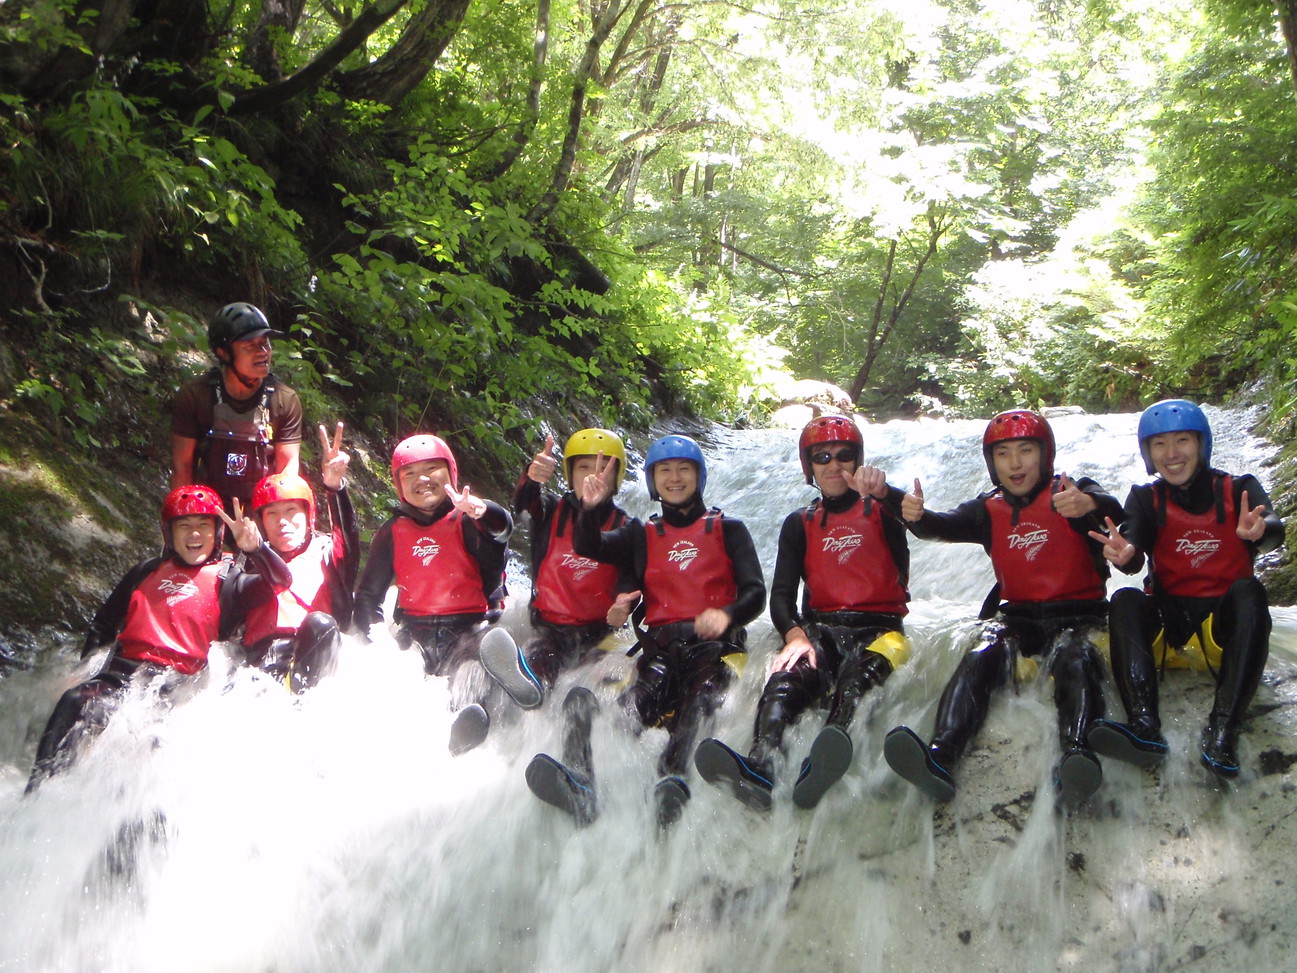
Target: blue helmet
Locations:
point(674, 447)
point(1173, 415)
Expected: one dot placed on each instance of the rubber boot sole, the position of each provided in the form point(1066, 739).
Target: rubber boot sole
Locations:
point(910, 757)
point(1116, 741)
point(829, 759)
point(559, 787)
point(671, 795)
point(1079, 776)
point(469, 729)
point(718, 764)
point(503, 662)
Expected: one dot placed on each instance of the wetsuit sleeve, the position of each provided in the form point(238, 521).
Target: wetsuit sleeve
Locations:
point(1106, 505)
point(966, 524)
point(496, 523)
point(252, 583)
point(488, 545)
point(1138, 525)
point(790, 563)
point(532, 502)
point(111, 616)
point(286, 415)
point(1257, 497)
point(374, 580)
point(188, 416)
point(617, 546)
point(751, 598)
point(346, 534)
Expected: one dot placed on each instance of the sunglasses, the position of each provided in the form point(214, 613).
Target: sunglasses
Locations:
point(823, 457)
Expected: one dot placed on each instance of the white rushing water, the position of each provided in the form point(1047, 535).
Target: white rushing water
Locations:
point(335, 831)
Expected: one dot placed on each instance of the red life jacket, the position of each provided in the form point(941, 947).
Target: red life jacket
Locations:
point(848, 565)
point(1040, 558)
point(687, 570)
point(435, 574)
point(1199, 555)
point(571, 589)
point(174, 616)
point(309, 592)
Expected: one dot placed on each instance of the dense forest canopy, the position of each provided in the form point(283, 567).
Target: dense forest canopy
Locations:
point(470, 214)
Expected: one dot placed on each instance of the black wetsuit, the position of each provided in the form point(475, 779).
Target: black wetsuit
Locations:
point(845, 668)
point(553, 647)
point(680, 678)
point(1239, 619)
point(445, 641)
point(1026, 628)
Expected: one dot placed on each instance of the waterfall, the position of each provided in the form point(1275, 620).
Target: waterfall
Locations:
point(239, 828)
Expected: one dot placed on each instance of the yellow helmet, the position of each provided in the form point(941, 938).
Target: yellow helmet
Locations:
point(592, 442)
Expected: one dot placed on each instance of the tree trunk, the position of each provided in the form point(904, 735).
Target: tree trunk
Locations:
point(398, 72)
point(522, 135)
point(277, 16)
point(307, 77)
point(605, 20)
point(1288, 24)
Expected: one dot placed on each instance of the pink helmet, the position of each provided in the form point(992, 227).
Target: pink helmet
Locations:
point(193, 500)
point(1020, 424)
point(284, 486)
point(416, 449)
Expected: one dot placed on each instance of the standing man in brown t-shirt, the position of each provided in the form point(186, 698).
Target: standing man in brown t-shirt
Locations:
point(236, 423)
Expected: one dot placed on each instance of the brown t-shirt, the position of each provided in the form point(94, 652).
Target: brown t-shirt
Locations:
point(191, 411)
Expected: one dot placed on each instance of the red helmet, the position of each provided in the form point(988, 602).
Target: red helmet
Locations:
point(194, 500)
point(416, 449)
point(284, 486)
point(827, 429)
point(1020, 424)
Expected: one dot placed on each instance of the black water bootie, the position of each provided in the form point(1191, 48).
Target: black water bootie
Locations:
point(1077, 777)
point(829, 759)
point(504, 662)
point(671, 795)
point(1220, 750)
point(1132, 743)
point(748, 781)
point(565, 789)
point(910, 757)
point(469, 729)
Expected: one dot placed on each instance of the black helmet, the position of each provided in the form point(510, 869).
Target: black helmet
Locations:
point(238, 322)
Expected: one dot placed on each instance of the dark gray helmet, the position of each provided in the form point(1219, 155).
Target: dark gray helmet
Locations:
point(238, 322)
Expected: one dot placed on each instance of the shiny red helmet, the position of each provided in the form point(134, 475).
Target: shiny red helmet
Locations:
point(416, 449)
point(1020, 424)
point(827, 429)
point(193, 500)
point(284, 486)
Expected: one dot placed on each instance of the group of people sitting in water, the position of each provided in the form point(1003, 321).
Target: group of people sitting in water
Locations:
point(242, 562)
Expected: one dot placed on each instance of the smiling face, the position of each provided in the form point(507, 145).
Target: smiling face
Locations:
point(676, 480)
point(423, 484)
point(284, 524)
point(1017, 465)
point(1176, 456)
point(193, 538)
point(250, 358)
point(831, 463)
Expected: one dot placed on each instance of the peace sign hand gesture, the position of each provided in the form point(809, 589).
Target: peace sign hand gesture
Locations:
point(333, 465)
point(243, 529)
point(1116, 549)
point(601, 484)
point(1251, 520)
point(465, 502)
